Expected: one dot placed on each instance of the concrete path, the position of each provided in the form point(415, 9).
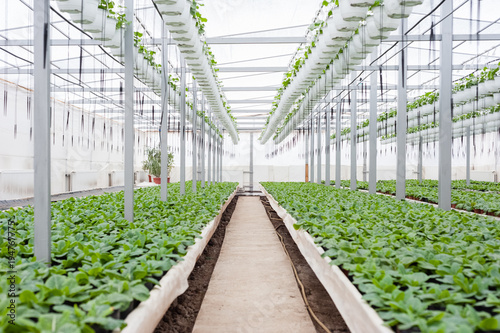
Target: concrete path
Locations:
point(252, 288)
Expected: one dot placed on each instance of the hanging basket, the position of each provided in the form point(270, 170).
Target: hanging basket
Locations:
point(174, 9)
point(178, 20)
point(117, 39)
point(496, 97)
point(108, 32)
point(343, 25)
point(87, 14)
point(395, 10)
point(98, 24)
point(350, 13)
point(383, 21)
point(361, 3)
point(374, 33)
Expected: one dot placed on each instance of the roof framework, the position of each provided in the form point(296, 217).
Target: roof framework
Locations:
point(253, 51)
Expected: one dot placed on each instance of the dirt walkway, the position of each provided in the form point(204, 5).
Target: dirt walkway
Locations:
point(252, 288)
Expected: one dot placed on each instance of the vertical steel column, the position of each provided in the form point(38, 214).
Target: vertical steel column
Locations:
point(311, 169)
point(251, 161)
point(183, 129)
point(420, 168)
point(401, 117)
point(129, 112)
point(467, 157)
point(209, 157)
point(195, 138)
point(202, 143)
point(365, 159)
point(306, 156)
point(372, 186)
point(214, 157)
point(445, 105)
point(327, 147)
point(354, 134)
point(319, 147)
point(221, 155)
point(41, 130)
point(338, 128)
point(164, 114)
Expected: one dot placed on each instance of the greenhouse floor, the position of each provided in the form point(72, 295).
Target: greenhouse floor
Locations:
point(252, 288)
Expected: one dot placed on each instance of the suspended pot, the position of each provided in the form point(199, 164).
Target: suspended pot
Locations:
point(98, 24)
point(350, 13)
point(108, 32)
point(71, 6)
point(395, 10)
point(359, 45)
point(482, 89)
point(178, 20)
point(87, 13)
point(361, 3)
point(164, 2)
point(468, 107)
point(488, 102)
point(407, 3)
point(374, 33)
point(496, 97)
point(175, 9)
point(119, 52)
point(117, 39)
point(470, 93)
point(332, 33)
point(365, 38)
point(341, 24)
point(459, 97)
point(185, 35)
point(383, 21)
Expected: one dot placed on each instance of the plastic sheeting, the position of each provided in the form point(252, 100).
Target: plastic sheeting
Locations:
point(148, 314)
point(358, 315)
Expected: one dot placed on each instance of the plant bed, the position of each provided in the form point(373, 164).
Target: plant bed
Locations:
point(317, 297)
point(419, 267)
point(182, 313)
point(100, 262)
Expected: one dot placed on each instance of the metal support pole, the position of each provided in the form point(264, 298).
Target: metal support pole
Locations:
point(311, 168)
point(445, 105)
point(129, 113)
point(327, 147)
point(164, 113)
point(195, 138)
point(41, 131)
point(209, 157)
point(319, 148)
point(354, 118)
point(214, 157)
point(420, 168)
point(467, 157)
point(372, 186)
point(183, 130)
point(306, 156)
point(338, 128)
point(401, 118)
point(202, 144)
point(221, 156)
point(365, 160)
point(251, 161)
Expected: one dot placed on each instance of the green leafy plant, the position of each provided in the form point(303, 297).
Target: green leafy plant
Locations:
point(152, 163)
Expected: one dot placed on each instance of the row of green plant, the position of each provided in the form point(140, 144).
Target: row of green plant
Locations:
point(101, 262)
point(488, 202)
point(421, 268)
point(482, 196)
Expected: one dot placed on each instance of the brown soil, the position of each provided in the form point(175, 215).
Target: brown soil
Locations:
point(319, 300)
point(181, 315)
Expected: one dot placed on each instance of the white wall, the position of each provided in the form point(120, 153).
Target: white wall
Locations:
point(86, 148)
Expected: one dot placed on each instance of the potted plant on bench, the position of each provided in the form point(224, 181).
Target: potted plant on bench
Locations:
point(152, 164)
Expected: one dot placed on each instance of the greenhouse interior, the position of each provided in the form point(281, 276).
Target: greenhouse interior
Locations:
point(250, 166)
